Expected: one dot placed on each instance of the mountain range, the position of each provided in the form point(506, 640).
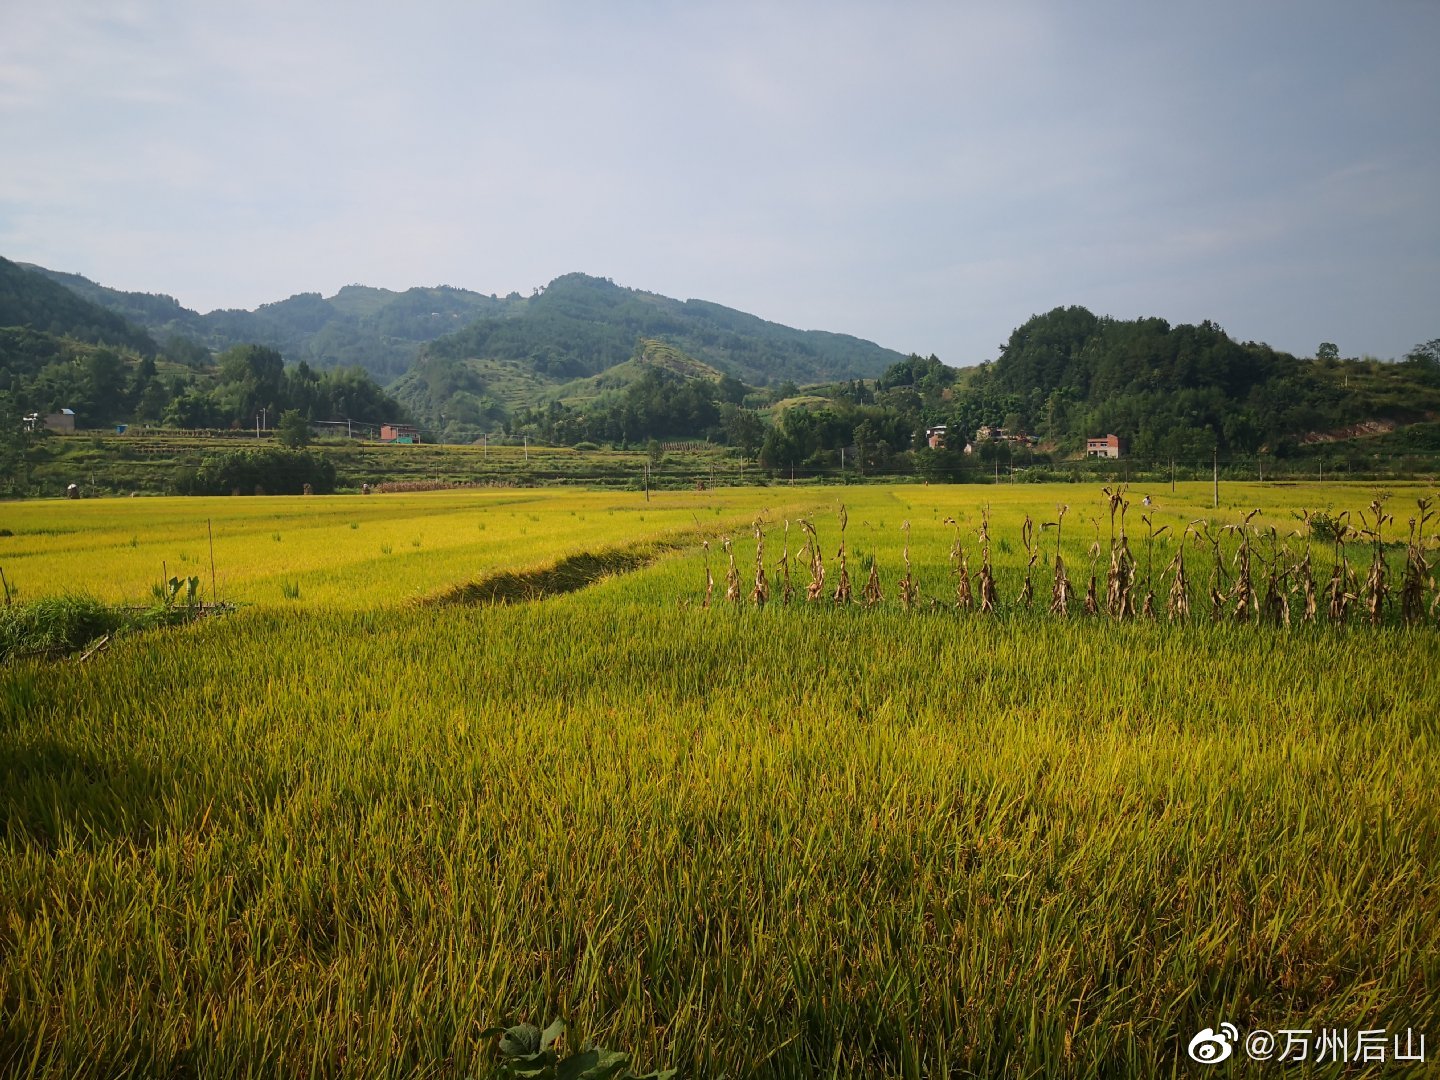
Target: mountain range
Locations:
point(577, 326)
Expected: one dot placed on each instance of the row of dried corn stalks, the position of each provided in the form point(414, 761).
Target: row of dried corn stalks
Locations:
point(1264, 580)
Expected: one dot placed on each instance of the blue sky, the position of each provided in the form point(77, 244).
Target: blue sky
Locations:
point(924, 175)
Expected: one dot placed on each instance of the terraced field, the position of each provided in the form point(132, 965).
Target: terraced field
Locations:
point(514, 768)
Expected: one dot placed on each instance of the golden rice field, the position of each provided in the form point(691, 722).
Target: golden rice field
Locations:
point(348, 828)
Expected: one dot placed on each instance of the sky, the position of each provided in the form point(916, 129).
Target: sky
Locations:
point(924, 175)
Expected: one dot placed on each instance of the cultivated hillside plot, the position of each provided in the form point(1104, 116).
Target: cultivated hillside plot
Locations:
point(469, 758)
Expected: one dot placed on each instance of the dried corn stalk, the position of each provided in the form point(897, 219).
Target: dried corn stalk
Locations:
point(1177, 602)
point(1061, 591)
point(787, 591)
point(709, 577)
point(732, 575)
point(1120, 579)
point(1417, 577)
point(909, 593)
point(816, 588)
point(1217, 575)
point(1340, 590)
point(1092, 596)
point(1027, 537)
point(1275, 603)
point(872, 593)
point(761, 592)
point(989, 599)
point(1151, 535)
point(964, 599)
point(842, 585)
point(1377, 582)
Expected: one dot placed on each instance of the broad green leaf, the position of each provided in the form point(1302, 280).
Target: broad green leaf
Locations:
point(522, 1040)
point(594, 1064)
point(551, 1033)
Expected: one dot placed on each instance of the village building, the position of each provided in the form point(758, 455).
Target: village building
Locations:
point(399, 433)
point(1109, 446)
point(62, 422)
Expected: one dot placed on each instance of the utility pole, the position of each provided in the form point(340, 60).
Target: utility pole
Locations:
point(1261, 459)
point(1215, 465)
point(647, 481)
point(525, 441)
point(1172, 476)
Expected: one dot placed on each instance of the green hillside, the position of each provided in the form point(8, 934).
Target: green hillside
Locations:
point(651, 356)
point(29, 299)
point(1181, 391)
point(580, 326)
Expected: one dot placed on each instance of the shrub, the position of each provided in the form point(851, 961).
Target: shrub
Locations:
point(270, 470)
